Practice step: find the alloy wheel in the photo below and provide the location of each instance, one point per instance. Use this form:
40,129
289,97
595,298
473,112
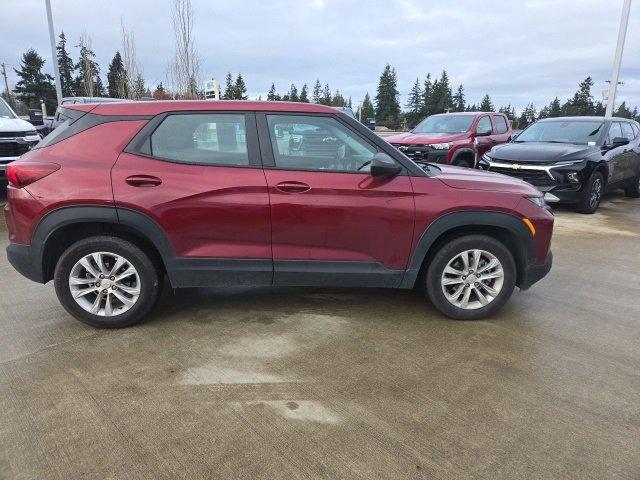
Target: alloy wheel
472,279
596,193
104,284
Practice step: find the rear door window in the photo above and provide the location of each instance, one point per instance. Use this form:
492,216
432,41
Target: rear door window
501,124
202,139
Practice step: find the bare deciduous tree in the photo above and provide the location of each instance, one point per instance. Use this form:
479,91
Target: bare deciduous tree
184,68
131,66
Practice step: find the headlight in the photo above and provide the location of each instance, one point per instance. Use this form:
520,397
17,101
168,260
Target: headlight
539,201
486,158
440,146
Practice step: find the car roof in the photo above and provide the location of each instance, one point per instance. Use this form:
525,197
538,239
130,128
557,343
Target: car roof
584,119
471,114
162,106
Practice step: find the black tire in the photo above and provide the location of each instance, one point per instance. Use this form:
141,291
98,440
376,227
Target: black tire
449,251
592,194
148,272
633,191
463,161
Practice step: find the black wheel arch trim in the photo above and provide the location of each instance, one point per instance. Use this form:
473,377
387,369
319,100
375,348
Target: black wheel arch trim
467,218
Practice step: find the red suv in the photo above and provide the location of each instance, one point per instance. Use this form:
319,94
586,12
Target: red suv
259,193
454,138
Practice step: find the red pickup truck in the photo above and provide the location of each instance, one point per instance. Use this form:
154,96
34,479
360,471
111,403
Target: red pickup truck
454,138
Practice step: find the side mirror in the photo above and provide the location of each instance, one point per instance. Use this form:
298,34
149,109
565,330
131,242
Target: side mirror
483,133
382,165
619,141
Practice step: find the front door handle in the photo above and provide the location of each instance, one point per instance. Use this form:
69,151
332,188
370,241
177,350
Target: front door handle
143,181
293,187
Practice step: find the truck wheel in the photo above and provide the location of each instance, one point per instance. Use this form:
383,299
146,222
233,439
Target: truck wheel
633,191
471,277
106,282
592,194
463,162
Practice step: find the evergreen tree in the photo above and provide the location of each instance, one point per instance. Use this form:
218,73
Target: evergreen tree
325,99
414,104
88,82
273,95
459,100
486,105
555,110
441,98
139,89
117,78
240,89
65,67
426,96
293,94
317,92
623,111
229,90
528,116
304,94
582,101
387,105
367,110
34,85
338,100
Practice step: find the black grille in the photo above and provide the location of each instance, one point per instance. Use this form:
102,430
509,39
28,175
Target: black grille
16,134
423,153
13,149
539,178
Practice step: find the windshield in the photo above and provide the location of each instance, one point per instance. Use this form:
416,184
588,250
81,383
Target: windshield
579,132
5,111
445,124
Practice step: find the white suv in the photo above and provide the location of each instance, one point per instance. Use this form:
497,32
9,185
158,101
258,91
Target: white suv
16,136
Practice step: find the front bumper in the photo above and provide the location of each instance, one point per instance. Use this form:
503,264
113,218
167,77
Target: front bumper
532,273
26,261
423,153
551,180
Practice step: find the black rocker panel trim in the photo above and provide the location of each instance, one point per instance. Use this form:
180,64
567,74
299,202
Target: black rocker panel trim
334,274
468,218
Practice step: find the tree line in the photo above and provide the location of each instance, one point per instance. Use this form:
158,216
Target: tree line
124,79
435,96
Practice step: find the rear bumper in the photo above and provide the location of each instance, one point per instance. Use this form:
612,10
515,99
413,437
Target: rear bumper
24,259
532,273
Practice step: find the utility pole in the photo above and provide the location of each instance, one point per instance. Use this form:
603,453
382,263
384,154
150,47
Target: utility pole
54,56
6,84
617,59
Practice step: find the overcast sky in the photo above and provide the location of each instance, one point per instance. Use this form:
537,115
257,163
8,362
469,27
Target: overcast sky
517,51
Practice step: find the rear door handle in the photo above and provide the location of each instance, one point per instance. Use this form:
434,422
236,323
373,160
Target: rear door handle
293,187
143,181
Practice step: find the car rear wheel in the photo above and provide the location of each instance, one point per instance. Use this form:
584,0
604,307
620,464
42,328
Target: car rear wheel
592,194
633,191
106,282
471,277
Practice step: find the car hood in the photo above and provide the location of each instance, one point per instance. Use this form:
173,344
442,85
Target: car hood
425,138
539,152
470,179
15,125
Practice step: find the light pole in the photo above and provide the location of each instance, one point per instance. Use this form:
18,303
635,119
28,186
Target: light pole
54,56
617,59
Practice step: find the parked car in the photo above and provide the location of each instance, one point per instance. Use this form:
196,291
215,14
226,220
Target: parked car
16,137
454,138
120,195
58,118
573,159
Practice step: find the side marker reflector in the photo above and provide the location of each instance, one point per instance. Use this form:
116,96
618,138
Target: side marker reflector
528,223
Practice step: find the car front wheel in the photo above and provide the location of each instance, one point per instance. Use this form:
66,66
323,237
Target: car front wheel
471,277
592,194
106,282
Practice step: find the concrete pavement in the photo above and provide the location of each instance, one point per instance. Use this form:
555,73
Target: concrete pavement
300,383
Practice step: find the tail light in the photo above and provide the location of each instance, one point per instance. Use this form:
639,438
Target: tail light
21,174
